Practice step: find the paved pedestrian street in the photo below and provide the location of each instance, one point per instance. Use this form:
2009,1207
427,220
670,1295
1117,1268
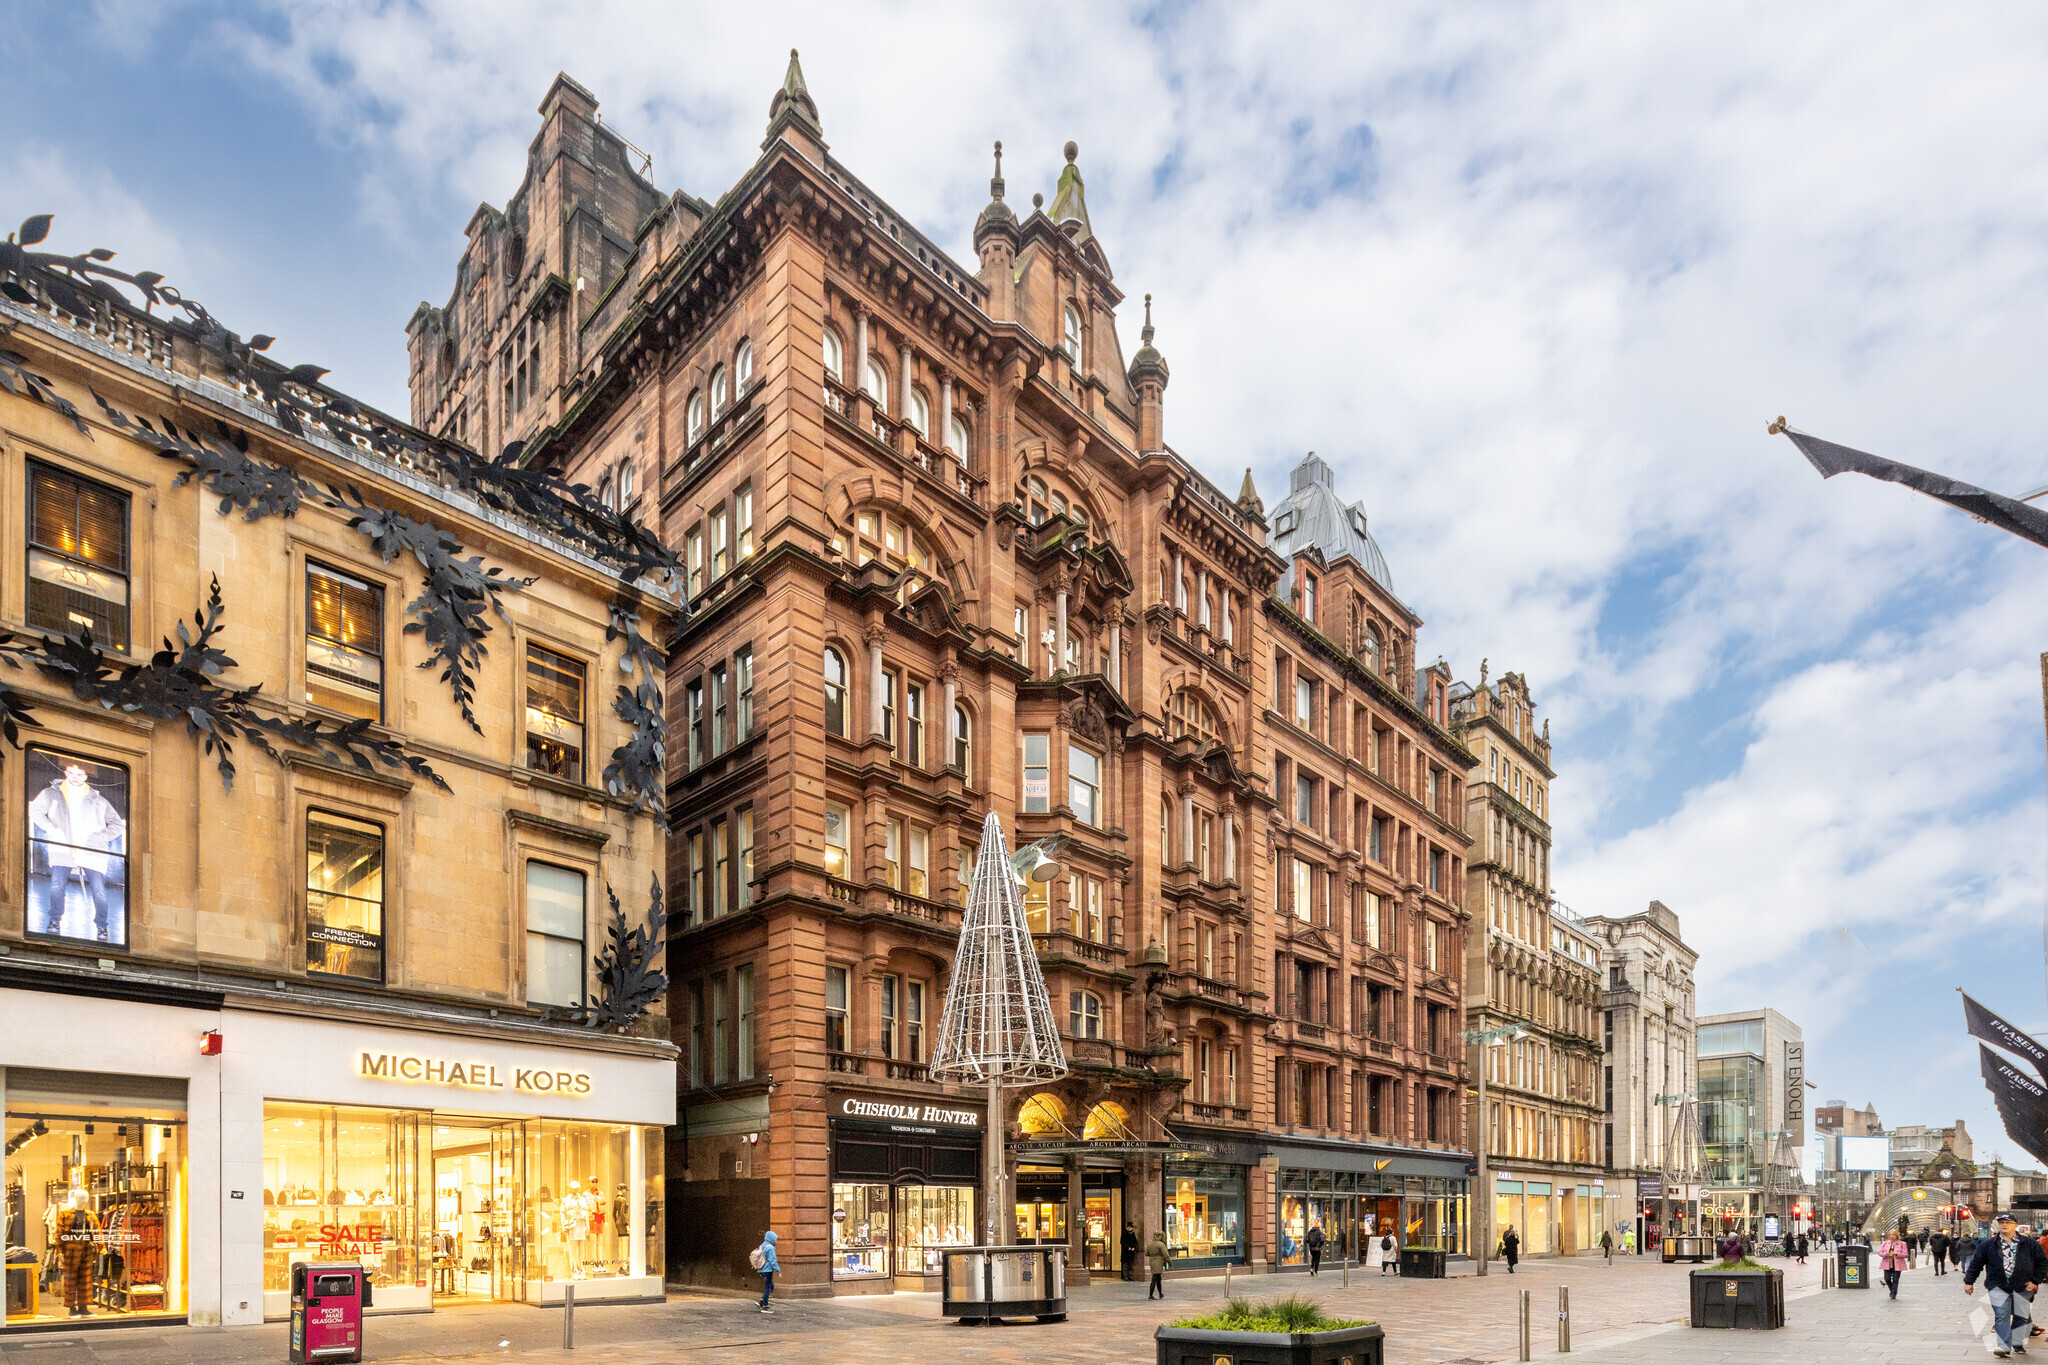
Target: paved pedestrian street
1632,1311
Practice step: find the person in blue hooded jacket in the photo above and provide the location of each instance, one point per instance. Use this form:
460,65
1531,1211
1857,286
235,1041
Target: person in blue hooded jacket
765,1262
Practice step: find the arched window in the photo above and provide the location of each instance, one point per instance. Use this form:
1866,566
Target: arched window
717,392
696,413
604,493
884,536
1035,501
1188,714
1070,337
963,441
921,413
963,739
1042,1114
835,692
1372,648
1107,1122
835,357
1084,1018
625,485
742,368
878,384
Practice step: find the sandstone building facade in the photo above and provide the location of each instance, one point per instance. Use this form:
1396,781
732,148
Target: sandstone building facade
320,1012
1534,965
941,560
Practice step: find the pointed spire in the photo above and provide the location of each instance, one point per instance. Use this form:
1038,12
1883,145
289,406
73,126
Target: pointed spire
1069,200
1148,363
1248,496
792,105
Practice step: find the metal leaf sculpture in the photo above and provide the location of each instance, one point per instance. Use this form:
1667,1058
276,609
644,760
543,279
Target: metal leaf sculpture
628,981
179,684
15,712
570,510
637,766
221,463
17,378
449,612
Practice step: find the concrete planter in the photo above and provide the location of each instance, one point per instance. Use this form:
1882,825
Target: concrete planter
1345,1346
1752,1299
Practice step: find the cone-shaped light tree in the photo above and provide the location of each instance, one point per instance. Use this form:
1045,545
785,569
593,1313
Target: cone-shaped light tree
998,1029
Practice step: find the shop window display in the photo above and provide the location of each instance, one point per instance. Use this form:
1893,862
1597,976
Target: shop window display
342,1184
928,1219
860,1232
95,1196
77,847
579,1193
1205,1213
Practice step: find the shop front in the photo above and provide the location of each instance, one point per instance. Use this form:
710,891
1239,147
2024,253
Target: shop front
457,1169
905,1174
1204,1215
1357,1196
1555,1215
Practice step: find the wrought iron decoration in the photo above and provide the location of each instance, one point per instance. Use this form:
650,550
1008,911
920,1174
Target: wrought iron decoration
628,981
637,765
178,683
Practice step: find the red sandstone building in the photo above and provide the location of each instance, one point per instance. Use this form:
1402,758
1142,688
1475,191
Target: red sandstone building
941,560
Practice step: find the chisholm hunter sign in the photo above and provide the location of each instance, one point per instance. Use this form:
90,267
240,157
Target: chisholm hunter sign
887,1111
416,1070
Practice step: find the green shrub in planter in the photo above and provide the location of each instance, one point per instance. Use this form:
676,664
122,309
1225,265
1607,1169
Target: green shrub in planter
1290,1331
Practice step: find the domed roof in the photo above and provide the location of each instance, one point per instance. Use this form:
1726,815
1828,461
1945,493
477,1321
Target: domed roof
1313,515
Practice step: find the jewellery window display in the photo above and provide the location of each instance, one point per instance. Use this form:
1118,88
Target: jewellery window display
343,1184
95,1196
930,1218
860,1232
1205,1213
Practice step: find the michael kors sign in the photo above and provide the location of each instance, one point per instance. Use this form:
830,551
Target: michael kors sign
410,1069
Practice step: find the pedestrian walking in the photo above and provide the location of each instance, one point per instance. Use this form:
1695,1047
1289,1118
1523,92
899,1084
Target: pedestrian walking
1510,1248
1628,1242
1938,1246
1129,1246
762,1258
1607,1246
1315,1240
1799,1248
1891,1259
1390,1257
2013,1269
1157,1258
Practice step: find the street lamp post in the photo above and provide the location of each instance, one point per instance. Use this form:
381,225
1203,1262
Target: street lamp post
1948,1175
1481,1218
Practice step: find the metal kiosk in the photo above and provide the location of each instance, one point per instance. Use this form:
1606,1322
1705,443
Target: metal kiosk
988,1284
1852,1266
328,1299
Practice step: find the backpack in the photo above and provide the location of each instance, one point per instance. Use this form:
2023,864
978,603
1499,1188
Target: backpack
1387,1242
758,1257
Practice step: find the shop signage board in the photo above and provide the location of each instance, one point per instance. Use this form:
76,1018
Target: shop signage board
901,1115
408,1068
1180,1150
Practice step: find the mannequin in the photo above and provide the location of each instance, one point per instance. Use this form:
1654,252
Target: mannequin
576,1209
78,1238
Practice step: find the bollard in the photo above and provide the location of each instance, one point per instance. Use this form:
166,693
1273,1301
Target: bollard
569,1316
1226,1279
1564,1320
1525,1327
1347,1272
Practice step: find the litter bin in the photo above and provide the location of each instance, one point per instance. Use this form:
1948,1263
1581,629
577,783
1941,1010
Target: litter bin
988,1284
328,1299
1852,1266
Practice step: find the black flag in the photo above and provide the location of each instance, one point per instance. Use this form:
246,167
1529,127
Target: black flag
1982,1023
2010,514
2022,1101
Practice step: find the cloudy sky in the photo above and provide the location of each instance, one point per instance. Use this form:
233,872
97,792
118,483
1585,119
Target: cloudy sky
1533,278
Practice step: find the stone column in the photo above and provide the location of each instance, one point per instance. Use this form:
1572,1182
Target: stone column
1202,598
1187,821
1059,638
903,386
1116,655
952,705
859,376
875,634
1230,843
1077,1225
1180,587
1228,638
943,437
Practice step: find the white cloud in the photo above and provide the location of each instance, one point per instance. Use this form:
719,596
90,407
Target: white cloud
1537,317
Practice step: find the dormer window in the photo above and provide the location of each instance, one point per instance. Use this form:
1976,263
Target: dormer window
1070,337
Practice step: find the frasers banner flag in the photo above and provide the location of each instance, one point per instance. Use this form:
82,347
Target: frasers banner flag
2022,1102
1982,1023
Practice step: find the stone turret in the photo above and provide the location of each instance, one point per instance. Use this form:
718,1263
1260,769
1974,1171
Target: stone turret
996,241
1149,378
793,115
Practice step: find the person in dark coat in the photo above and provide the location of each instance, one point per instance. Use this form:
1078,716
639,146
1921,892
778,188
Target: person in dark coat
1799,1248
2013,1268
1510,1248
1316,1241
1938,1244
1157,1260
1129,1247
